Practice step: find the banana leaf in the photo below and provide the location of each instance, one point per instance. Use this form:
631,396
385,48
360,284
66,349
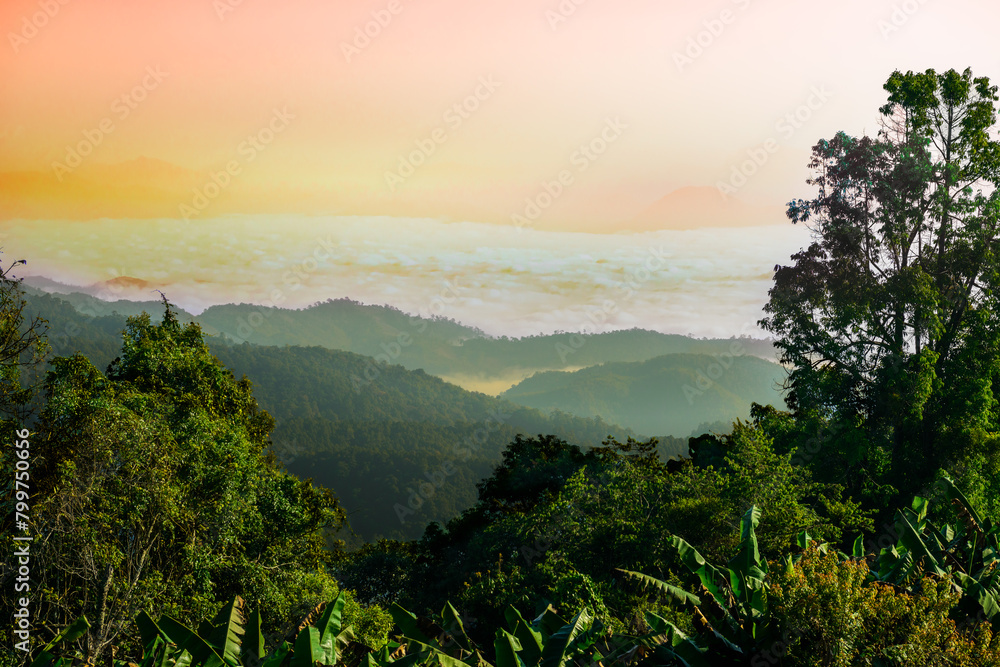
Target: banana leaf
229,624
507,648
454,626
678,594
559,648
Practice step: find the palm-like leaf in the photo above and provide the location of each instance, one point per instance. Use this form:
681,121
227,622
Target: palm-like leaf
678,594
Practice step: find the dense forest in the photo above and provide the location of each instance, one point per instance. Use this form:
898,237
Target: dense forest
674,393
855,525
436,345
325,407
371,442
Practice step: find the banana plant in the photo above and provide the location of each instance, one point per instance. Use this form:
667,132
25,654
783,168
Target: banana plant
731,613
547,641
441,640
46,657
321,639
969,553
232,639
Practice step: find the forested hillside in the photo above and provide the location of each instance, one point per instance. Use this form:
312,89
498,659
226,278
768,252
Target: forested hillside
438,346
672,394
378,444
371,432
445,348
107,302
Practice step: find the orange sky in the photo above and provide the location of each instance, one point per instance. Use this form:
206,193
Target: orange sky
349,116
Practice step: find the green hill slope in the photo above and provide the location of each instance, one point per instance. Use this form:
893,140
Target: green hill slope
670,394
445,348
439,346
399,447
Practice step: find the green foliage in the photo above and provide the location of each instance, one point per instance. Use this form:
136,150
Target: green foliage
154,493
744,470
977,471
157,493
672,394
400,452
374,443
233,639
547,641
820,608
890,319
22,348
732,614
829,612
968,552
554,523
927,602
72,632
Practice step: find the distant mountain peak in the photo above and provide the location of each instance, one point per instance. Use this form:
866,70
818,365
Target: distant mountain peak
695,207
127,282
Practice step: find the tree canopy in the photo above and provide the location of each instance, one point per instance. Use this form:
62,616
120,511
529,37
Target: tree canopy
153,492
890,319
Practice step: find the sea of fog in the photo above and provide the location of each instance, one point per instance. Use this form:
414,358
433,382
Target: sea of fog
502,279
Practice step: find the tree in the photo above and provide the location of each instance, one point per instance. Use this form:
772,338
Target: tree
890,319
553,522
154,493
22,349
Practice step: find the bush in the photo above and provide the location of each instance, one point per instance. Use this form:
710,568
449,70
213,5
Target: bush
828,613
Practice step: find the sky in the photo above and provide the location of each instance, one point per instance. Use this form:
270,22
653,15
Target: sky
572,115
695,86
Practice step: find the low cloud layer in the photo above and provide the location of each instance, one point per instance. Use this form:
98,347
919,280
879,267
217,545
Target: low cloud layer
507,281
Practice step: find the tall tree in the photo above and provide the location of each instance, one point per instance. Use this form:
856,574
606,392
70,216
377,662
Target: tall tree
890,319
153,491
22,350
